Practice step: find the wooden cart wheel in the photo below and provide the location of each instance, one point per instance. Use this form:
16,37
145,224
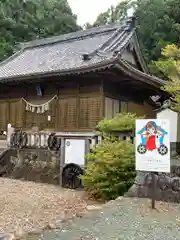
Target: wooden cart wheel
71,176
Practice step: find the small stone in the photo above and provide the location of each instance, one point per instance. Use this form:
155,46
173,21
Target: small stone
18,233
119,198
48,227
93,207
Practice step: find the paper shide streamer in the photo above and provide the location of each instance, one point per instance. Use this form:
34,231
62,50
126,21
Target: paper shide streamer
38,108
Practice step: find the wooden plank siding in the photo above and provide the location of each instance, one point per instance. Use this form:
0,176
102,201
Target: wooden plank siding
11,111
41,120
81,104
77,108
4,114
90,112
123,98
66,114
16,115
115,106
144,109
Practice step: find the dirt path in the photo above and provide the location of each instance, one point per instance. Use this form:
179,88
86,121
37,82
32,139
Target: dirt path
29,206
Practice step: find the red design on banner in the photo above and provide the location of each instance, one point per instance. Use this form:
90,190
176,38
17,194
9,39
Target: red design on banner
151,143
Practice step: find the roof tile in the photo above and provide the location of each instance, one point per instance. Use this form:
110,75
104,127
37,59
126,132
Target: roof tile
66,51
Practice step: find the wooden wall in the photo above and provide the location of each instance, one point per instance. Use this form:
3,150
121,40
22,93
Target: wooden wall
81,104
81,108
77,108
112,107
115,106
11,111
119,99
144,109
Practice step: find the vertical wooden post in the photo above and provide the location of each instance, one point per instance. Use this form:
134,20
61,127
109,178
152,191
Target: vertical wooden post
62,160
153,194
102,99
78,106
57,111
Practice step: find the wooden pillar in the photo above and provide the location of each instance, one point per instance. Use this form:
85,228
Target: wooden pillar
102,99
62,160
78,106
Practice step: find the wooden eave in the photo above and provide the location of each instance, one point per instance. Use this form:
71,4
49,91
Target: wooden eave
106,64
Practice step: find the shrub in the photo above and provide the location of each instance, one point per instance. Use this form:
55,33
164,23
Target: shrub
121,123
110,170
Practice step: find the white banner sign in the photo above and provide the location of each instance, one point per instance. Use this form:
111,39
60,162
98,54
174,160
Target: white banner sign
153,145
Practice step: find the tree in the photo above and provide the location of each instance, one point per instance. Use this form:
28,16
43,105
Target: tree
24,20
169,65
158,23
114,13
157,26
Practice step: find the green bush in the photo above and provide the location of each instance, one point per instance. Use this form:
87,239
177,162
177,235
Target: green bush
110,170
121,123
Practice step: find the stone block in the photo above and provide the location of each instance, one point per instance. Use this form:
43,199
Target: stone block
167,185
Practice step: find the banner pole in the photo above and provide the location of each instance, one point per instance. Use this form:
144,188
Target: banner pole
153,194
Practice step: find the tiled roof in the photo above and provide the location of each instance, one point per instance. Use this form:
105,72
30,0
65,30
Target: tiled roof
66,53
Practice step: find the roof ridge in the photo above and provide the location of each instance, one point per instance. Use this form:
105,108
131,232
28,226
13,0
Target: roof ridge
117,46
128,25
115,35
81,34
71,36
114,41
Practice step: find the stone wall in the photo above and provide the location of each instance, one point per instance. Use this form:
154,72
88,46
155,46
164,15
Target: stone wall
167,185
38,166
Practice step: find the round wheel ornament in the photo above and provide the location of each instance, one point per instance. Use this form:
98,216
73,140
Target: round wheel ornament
141,149
71,176
163,150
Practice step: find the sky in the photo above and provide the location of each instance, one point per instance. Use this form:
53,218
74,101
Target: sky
88,10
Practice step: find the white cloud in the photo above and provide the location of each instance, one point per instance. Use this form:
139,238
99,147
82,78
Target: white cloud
88,10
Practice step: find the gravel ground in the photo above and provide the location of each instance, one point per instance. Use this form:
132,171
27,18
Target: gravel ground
29,206
123,219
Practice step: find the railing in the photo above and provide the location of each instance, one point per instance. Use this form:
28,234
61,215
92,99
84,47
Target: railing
48,140
37,140
28,139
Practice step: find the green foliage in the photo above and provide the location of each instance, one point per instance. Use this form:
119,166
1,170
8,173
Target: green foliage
158,23
169,65
123,122
24,20
114,13
110,170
